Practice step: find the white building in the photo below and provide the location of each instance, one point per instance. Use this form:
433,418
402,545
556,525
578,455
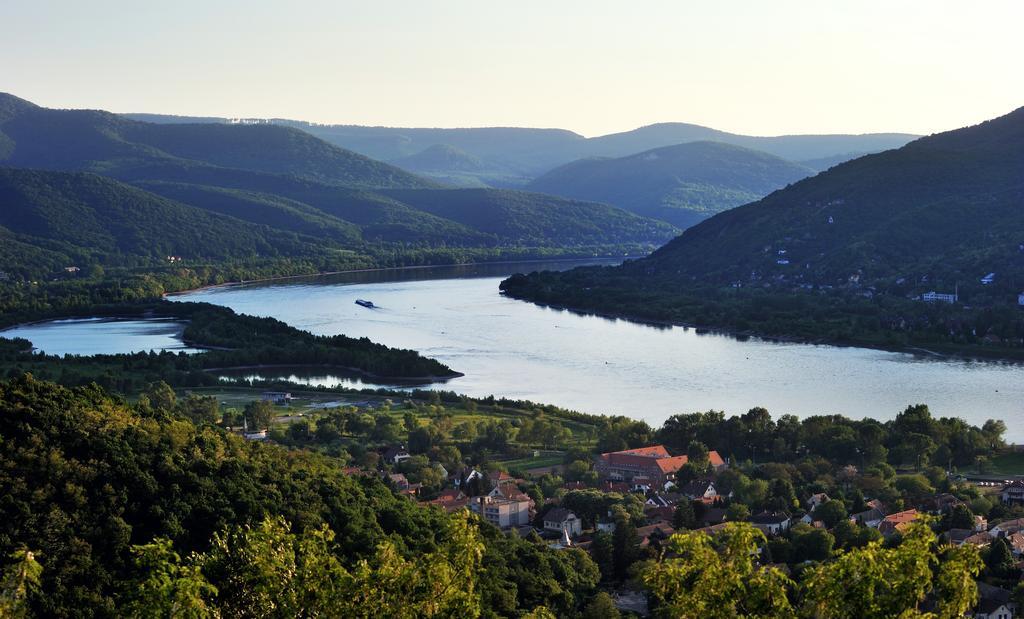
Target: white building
941,297
502,513
563,521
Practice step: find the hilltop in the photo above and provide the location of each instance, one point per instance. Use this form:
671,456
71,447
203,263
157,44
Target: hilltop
305,197
681,184
105,143
513,156
845,254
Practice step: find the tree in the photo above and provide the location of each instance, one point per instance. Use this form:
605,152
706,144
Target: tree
20,581
421,439
960,517
697,453
694,579
624,542
259,414
999,559
914,487
737,512
201,409
601,606
684,517
811,544
161,397
602,551
831,513
876,582
167,588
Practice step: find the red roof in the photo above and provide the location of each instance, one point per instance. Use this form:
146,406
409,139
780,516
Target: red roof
671,465
657,455
904,516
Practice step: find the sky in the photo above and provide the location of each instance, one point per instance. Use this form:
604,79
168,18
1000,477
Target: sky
756,67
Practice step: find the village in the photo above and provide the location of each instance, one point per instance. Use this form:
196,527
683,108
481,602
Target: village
622,506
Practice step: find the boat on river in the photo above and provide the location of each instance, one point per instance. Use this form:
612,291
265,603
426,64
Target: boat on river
365,303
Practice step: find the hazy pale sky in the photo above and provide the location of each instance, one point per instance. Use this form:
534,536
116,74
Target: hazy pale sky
759,67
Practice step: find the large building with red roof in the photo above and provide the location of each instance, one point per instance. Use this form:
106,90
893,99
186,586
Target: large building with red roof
647,464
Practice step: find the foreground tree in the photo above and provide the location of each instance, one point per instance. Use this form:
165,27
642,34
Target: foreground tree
877,582
20,580
694,578
267,571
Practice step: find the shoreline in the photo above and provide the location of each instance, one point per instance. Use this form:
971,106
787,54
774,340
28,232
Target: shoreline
419,267
916,351
412,380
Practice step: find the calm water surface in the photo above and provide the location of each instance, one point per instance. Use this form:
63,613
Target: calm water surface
94,336
519,350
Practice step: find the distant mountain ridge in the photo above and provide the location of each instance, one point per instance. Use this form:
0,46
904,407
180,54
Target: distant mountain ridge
918,248
97,141
681,184
522,154
939,214
286,185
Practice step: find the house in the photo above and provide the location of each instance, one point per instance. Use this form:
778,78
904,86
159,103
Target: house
771,522
564,522
1020,299
451,500
464,476
72,269
816,500
898,522
658,500
713,516
700,490
941,503
399,480
277,397
512,492
1007,527
994,603
1016,542
938,297
1012,493
255,435
614,486
502,513
657,514
395,454
502,478
654,532
647,465
988,279
959,537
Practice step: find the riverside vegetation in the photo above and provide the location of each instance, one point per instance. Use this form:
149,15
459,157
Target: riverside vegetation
153,507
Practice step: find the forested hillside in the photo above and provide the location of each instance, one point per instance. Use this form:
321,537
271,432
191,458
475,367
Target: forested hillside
512,156
681,185
846,254
105,503
311,200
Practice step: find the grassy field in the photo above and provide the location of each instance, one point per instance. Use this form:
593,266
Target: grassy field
546,458
1008,463
311,404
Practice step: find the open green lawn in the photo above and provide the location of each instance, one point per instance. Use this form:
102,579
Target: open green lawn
546,458
1009,463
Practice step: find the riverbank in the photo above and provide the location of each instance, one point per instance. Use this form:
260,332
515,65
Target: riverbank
424,267
411,381
935,351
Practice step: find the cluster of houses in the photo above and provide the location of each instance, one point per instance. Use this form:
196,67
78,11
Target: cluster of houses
652,472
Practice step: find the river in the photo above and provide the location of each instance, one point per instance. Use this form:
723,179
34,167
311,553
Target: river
519,350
